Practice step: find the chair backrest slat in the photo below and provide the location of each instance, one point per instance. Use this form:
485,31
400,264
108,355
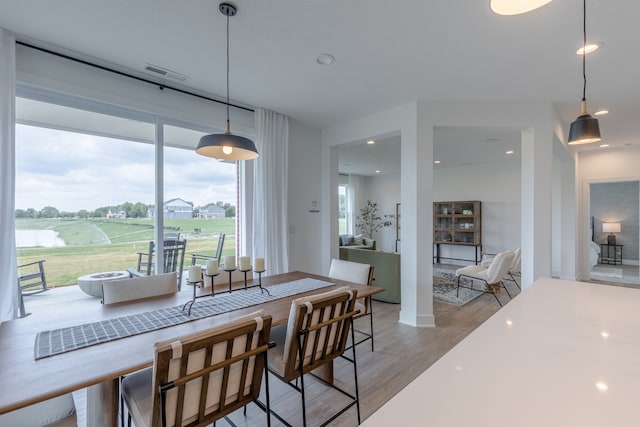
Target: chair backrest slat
319,330
205,376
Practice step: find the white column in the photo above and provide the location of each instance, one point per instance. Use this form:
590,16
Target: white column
537,160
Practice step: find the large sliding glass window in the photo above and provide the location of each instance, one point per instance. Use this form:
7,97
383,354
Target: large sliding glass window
86,188
200,194
84,184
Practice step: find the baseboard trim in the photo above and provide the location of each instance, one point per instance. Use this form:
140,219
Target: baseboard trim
418,321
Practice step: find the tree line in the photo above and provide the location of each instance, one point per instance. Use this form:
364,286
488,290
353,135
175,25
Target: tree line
132,210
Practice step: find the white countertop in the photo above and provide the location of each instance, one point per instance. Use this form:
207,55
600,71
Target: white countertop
562,353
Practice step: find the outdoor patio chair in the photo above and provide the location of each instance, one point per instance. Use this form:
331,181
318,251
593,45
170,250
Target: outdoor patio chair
315,335
199,378
173,260
361,274
31,278
198,257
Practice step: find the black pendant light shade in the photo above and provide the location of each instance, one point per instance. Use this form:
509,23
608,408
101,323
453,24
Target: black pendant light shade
227,146
585,129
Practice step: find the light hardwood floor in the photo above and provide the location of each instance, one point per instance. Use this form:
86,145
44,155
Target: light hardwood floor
401,353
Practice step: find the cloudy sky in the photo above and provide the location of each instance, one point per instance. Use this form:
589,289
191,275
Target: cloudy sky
72,171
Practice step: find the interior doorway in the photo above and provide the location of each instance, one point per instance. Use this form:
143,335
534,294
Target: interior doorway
614,249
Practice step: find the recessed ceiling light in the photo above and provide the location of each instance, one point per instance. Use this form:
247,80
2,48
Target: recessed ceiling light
509,323
371,142
511,7
604,334
604,145
602,386
509,152
437,162
601,113
325,59
378,171
589,47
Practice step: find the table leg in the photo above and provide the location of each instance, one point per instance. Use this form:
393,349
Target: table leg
102,404
325,372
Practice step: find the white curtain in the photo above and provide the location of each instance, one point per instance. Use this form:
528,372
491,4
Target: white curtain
270,238
9,298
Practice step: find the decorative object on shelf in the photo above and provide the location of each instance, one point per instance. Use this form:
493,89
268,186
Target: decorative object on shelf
585,129
611,227
227,146
369,221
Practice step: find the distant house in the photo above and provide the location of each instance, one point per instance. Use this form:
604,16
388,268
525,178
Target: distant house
174,209
116,215
211,211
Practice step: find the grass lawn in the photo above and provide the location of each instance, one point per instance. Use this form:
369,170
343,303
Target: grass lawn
88,249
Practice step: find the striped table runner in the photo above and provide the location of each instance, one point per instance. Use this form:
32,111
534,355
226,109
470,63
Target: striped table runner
49,343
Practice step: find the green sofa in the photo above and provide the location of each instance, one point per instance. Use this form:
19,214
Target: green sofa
386,270
359,241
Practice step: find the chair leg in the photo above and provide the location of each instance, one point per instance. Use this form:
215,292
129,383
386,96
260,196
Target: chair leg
371,321
266,388
355,367
514,280
301,368
505,288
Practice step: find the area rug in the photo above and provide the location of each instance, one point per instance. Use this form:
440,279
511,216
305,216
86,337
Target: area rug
444,289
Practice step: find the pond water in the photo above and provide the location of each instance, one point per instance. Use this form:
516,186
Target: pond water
35,238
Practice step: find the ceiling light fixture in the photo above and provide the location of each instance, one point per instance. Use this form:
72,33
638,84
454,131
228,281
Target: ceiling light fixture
604,145
516,7
325,59
585,129
370,142
601,113
437,162
509,152
227,146
589,48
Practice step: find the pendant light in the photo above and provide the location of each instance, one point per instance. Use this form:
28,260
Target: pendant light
585,129
516,7
227,146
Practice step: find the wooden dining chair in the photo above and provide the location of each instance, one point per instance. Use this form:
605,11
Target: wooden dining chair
59,411
315,335
361,274
199,378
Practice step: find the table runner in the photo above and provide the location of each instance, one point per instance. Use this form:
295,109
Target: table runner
57,341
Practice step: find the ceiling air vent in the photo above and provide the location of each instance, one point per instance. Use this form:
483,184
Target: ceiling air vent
164,72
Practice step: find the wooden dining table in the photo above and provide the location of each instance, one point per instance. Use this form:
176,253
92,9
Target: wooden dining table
25,381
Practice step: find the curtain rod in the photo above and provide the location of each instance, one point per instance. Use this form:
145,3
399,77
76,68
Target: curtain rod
121,73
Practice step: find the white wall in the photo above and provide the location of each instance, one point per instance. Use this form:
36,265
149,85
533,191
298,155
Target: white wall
385,190
497,186
41,70
305,231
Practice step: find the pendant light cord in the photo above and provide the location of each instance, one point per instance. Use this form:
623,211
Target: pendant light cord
228,125
584,52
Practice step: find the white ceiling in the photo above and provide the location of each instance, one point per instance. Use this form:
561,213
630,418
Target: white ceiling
387,54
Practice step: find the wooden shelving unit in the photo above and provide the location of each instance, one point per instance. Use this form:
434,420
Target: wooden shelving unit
457,223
